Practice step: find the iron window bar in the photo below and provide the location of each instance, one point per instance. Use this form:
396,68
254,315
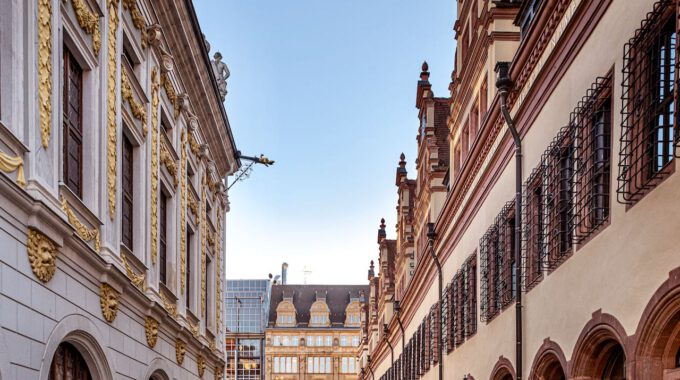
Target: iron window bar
534,231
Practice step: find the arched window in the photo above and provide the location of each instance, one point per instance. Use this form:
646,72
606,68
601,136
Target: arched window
68,364
677,358
615,369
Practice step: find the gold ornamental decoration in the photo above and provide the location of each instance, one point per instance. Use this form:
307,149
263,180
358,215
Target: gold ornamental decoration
42,255
218,275
111,117
180,350
219,372
137,18
192,203
171,93
171,307
204,226
9,164
182,214
151,331
108,300
136,279
193,144
89,22
82,231
168,162
200,362
154,163
138,110
45,69
194,329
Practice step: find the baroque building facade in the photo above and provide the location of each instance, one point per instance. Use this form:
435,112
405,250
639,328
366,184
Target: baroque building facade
114,151
313,331
591,88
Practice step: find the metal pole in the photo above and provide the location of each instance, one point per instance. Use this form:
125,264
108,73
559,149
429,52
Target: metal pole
431,235
504,84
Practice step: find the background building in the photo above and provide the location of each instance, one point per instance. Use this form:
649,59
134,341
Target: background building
592,91
247,309
313,331
114,148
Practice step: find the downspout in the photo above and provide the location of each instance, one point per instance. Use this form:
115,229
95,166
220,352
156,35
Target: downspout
431,235
504,84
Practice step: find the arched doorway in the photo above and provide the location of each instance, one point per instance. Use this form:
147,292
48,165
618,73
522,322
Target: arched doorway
657,354
68,364
503,370
600,352
159,375
549,363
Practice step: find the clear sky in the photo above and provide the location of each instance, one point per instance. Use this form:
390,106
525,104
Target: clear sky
326,88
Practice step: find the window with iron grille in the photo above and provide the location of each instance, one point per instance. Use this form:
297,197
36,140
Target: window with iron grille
127,193
444,321
73,124
534,235
592,120
470,295
497,254
459,321
427,338
648,136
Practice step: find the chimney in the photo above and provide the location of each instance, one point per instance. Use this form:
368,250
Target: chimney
284,273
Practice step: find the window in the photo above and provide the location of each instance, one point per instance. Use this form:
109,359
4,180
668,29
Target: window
190,237
483,103
528,16
277,340
348,365
310,341
535,227
497,250
319,341
208,289
162,245
355,341
465,138
285,364
457,159
73,124
648,136
329,341
127,225
68,363
343,341
285,341
295,341
319,365
464,42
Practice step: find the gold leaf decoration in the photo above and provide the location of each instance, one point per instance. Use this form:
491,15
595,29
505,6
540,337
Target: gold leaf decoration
89,22
137,18
218,274
136,279
42,255
219,372
194,329
9,164
193,144
112,133
82,231
151,331
171,307
108,300
138,110
192,203
45,69
155,88
171,93
204,225
182,215
200,362
180,350
168,162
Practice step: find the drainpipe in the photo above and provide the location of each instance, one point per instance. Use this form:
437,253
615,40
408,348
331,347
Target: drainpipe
397,314
386,333
431,235
369,367
504,84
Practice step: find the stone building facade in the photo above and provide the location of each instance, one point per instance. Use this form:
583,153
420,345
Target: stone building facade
313,331
114,150
593,96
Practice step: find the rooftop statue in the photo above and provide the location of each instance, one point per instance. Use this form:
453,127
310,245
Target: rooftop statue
221,72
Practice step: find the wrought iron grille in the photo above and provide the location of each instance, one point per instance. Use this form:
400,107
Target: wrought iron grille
470,295
648,134
497,263
534,230
427,339
446,320
559,166
459,322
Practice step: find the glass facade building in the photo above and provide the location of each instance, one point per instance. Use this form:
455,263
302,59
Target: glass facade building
247,308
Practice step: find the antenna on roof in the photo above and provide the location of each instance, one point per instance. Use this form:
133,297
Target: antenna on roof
305,273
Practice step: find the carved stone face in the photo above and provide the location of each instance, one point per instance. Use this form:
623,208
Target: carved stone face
201,366
179,351
108,299
151,329
42,254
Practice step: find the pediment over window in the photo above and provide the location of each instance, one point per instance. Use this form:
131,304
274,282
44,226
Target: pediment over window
286,314
319,314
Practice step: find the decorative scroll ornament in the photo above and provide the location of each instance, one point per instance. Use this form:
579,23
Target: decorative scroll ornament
180,350
151,331
171,307
138,110
82,231
108,300
9,164
45,69
204,225
111,104
169,162
200,362
137,18
212,345
154,163
194,329
136,279
171,93
219,372
42,255
192,203
218,275
182,214
89,22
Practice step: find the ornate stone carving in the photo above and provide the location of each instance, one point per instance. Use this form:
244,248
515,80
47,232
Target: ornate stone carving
182,214
111,104
9,164
171,93
192,203
138,110
168,162
108,300
193,144
200,362
221,72
204,226
82,231
219,372
155,88
89,22
194,329
218,274
137,17
171,307
180,350
151,331
42,255
45,69
136,279
152,35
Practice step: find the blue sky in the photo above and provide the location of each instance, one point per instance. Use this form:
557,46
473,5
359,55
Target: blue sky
327,89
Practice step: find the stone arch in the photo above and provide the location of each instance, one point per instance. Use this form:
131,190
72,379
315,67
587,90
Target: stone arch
503,370
549,362
658,332
158,369
599,338
82,333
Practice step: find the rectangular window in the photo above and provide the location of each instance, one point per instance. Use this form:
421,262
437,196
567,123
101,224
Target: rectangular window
208,288
319,341
497,249
329,340
162,243
190,237
649,136
483,103
535,228
73,124
127,190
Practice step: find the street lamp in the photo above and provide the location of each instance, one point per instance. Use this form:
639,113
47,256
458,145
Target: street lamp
431,235
504,85
386,332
